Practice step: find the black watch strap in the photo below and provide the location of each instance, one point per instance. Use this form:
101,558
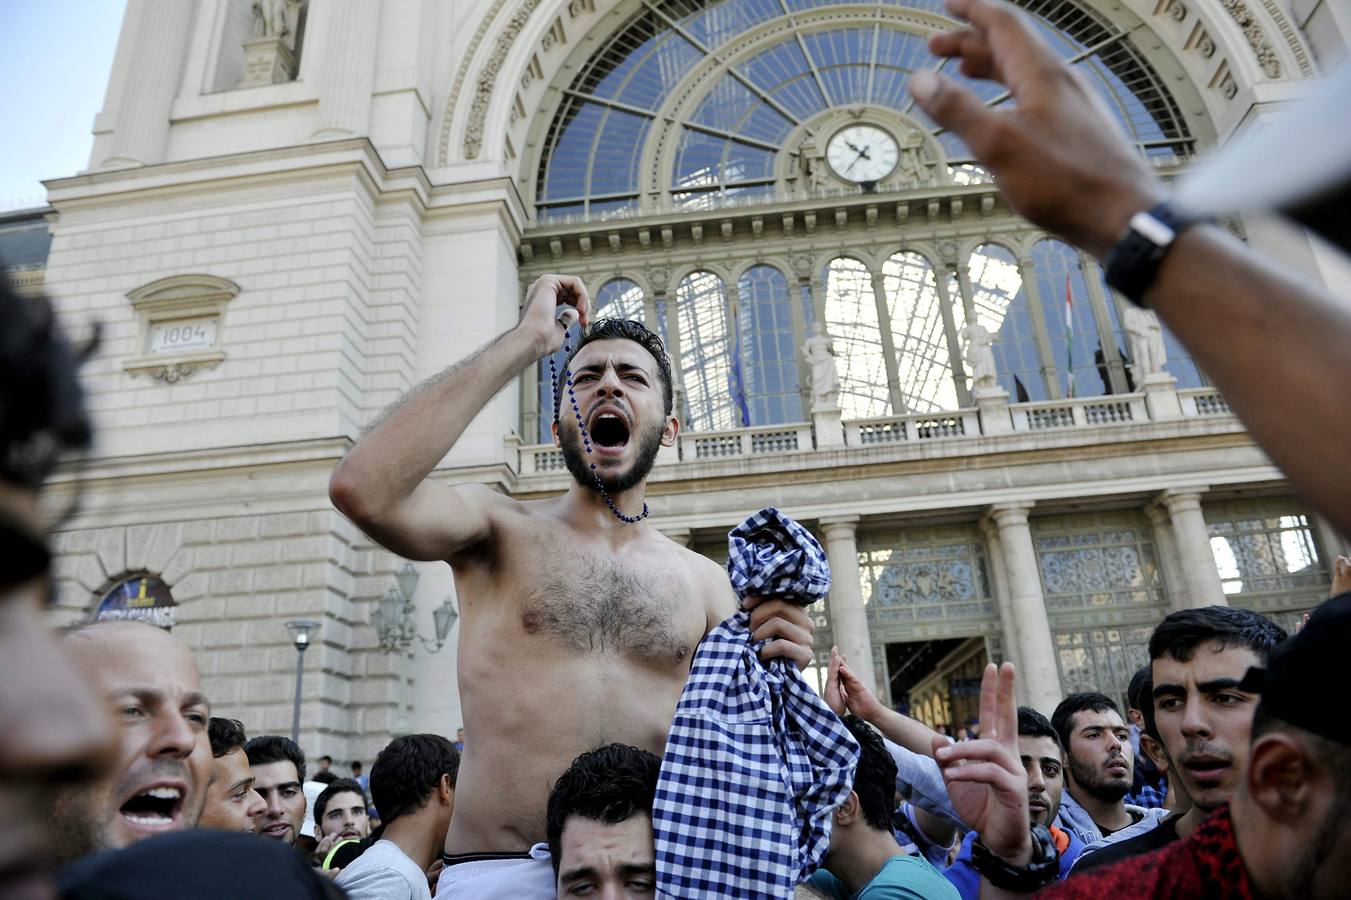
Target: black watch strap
1133,263
1041,870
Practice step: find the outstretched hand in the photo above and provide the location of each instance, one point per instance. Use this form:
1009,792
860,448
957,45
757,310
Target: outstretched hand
986,781
1059,157
540,317
846,692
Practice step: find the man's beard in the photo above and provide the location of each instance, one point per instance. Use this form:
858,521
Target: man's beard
575,458
1091,779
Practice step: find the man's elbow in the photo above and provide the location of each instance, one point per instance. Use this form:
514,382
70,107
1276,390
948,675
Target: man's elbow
351,496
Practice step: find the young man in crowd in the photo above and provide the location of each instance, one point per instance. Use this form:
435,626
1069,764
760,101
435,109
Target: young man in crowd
1149,785
340,814
231,801
1099,765
150,682
1287,833
1043,759
599,819
413,785
864,862
325,775
1204,719
600,612
278,772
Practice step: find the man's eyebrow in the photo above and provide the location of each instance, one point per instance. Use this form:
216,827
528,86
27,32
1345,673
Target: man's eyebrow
577,872
637,869
196,698
619,366
1161,690
245,783
1217,684
279,787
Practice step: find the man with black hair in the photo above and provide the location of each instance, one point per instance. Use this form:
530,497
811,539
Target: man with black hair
600,824
1043,758
864,861
600,612
231,801
1198,658
325,775
413,785
278,772
1149,786
1099,766
340,814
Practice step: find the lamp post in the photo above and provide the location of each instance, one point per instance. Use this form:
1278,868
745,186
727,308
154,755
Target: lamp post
302,635
394,616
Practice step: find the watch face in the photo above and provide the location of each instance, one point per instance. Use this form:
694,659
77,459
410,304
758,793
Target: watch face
862,153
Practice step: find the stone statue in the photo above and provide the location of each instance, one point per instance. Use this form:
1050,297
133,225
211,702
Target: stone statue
818,180
819,353
912,170
1144,335
278,19
980,357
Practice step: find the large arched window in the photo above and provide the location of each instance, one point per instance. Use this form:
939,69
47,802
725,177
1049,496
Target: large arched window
1003,307
1085,364
768,351
919,334
705,369
620,298
697,103
851,319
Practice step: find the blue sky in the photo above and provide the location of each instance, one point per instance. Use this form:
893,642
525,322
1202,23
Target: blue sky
55,57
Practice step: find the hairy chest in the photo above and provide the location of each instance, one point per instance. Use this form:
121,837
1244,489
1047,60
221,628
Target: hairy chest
643,608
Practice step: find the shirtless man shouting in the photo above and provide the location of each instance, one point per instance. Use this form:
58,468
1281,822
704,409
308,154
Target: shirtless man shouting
577,627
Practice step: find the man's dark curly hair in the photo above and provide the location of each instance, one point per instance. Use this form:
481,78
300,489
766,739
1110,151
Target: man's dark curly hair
1063,717
407,772
42,410
628,330
341,786
609,785
226,736
271,748
1181,632
1034,725
875,776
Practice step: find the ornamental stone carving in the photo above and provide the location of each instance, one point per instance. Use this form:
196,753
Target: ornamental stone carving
979,356
1262,48
1144,336
819,353
487,79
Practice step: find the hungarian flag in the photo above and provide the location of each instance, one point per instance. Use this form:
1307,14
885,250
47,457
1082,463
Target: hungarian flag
1069,335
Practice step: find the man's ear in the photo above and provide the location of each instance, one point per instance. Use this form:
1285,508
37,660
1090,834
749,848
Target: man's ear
847,812
1154,750
445,790
553,430
1281,778
668,434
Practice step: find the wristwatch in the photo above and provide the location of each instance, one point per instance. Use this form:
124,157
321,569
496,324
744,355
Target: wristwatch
1041,870
1133,263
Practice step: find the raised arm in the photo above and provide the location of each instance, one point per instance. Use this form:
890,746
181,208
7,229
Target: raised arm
1278,347
382,484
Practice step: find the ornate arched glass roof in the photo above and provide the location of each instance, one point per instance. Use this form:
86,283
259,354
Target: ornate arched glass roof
697,103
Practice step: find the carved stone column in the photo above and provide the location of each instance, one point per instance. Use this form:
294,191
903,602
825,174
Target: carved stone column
1201,578
1332,542
1032,627
159,45
349,29
848,619
999,588
1165,548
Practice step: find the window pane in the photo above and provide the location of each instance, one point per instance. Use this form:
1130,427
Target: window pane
768,350
1077,349
701,305
1002,307
922,360
620,299
851,319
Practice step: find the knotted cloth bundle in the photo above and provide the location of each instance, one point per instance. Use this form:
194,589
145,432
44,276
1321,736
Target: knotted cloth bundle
755,761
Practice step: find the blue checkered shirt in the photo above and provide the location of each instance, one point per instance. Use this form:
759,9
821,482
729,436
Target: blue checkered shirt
1149,796
755,761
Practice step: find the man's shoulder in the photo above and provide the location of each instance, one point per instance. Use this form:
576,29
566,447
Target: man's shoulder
1135,877
1104,853
906,877
386,872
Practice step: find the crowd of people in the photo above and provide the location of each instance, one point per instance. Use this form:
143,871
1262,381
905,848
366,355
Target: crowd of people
1227,775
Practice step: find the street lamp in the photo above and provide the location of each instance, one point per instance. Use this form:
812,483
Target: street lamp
302,635
394,615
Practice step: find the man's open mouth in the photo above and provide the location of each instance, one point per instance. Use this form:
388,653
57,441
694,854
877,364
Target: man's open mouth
1206,768
156,807
609,430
